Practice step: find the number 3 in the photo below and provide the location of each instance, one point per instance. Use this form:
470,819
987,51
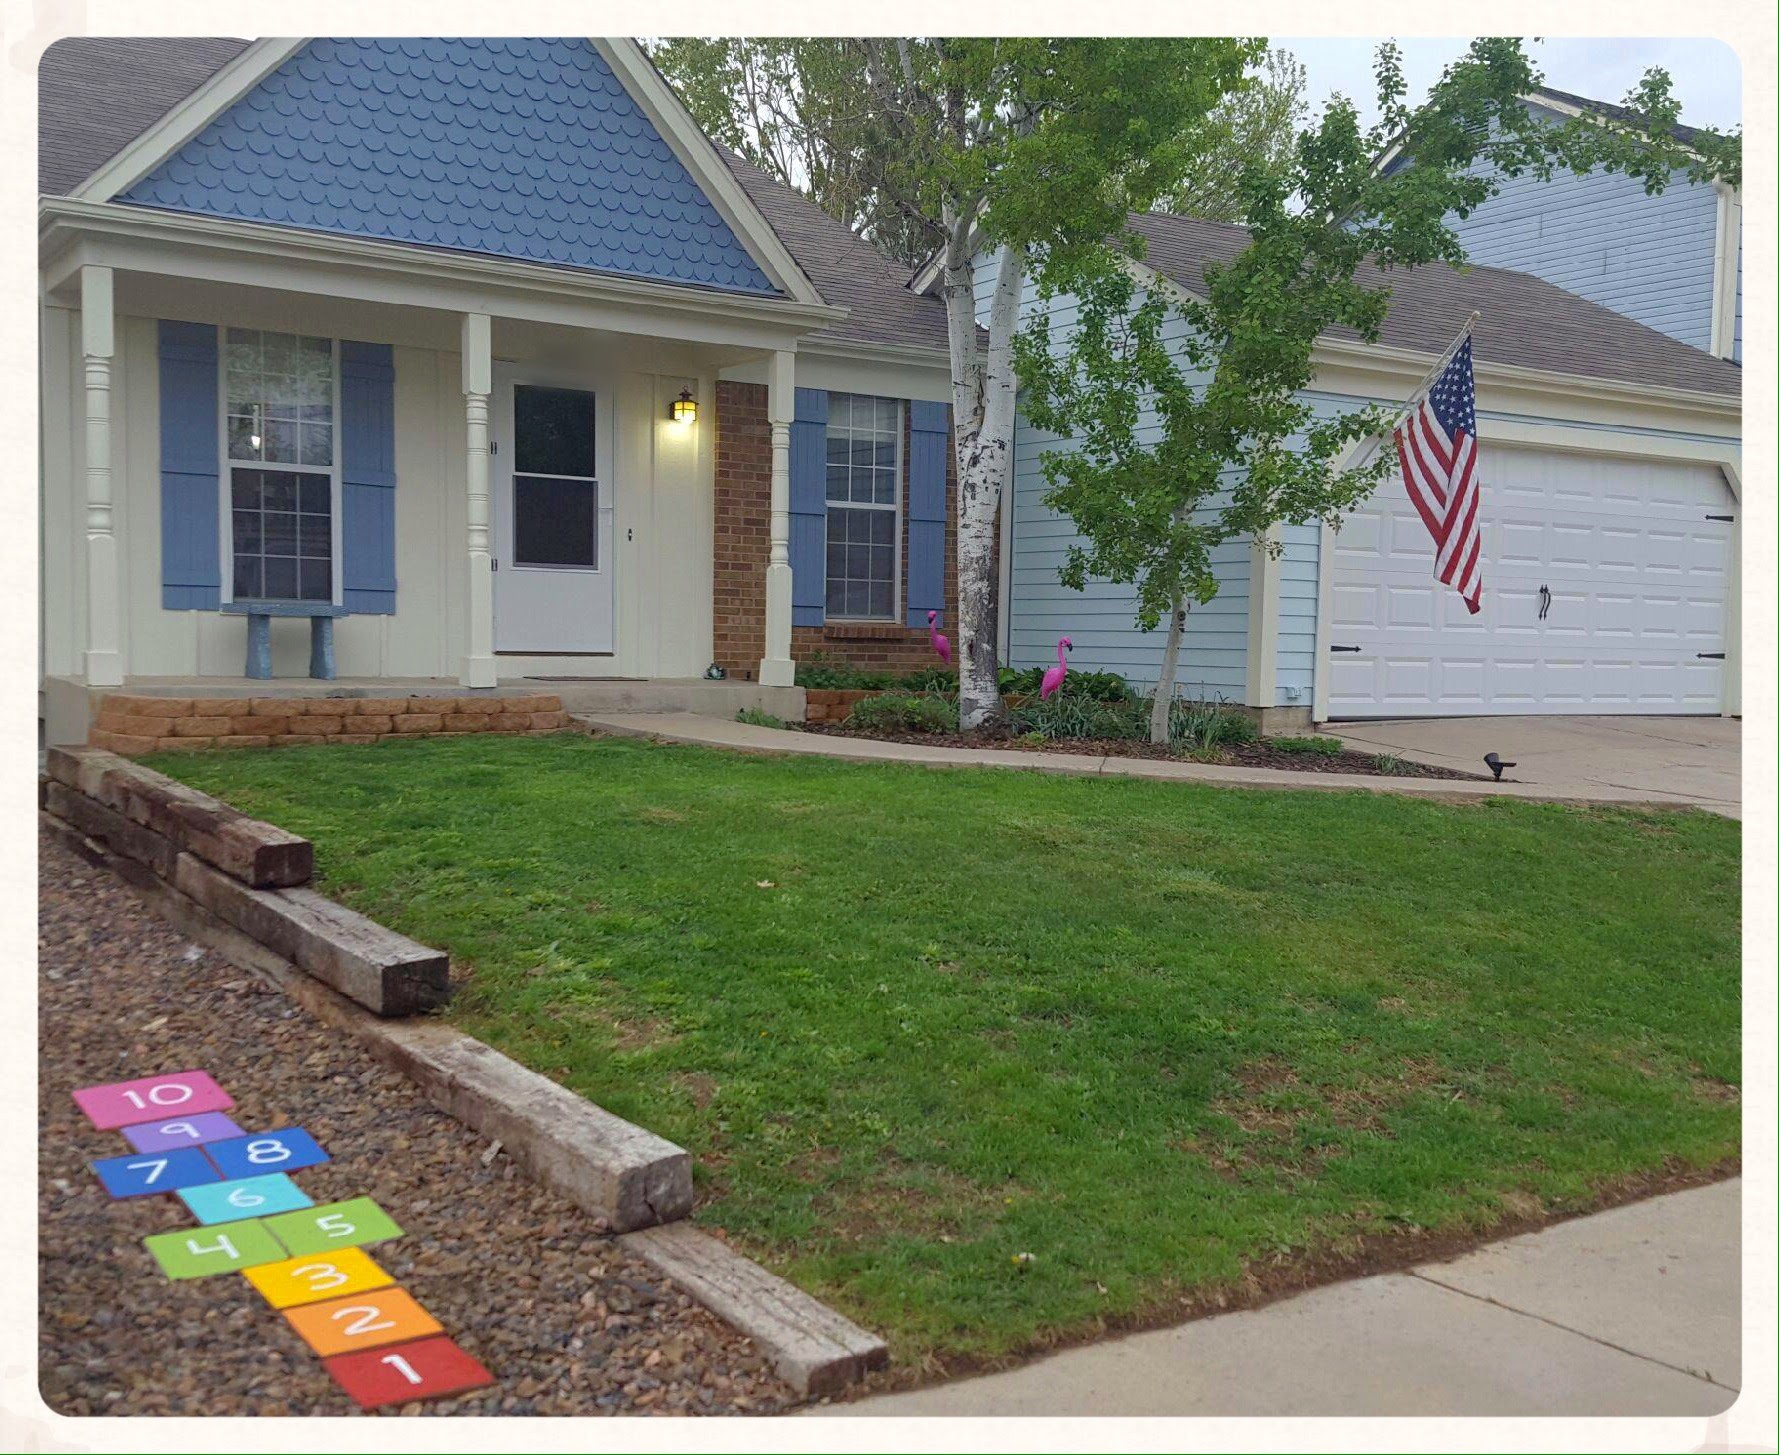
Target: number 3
320,1275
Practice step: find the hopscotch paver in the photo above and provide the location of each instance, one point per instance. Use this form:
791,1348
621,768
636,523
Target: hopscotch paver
376,1342
249,1197
201,1252
123,1103
317,1276
143,1174
206,1126
335,1225
362,1321
424,1370
285,1150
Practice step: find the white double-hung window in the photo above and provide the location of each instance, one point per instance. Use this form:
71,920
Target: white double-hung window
864,506
280,466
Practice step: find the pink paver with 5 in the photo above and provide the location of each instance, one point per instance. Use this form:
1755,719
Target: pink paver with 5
121,1103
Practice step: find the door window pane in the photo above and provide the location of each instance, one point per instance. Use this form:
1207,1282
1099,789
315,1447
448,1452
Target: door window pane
863,472
553,431
555,522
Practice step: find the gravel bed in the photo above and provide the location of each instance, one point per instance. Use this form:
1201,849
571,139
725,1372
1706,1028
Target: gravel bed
532,1286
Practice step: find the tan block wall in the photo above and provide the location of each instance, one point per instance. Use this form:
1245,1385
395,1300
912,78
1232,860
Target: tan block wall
743,544
133,725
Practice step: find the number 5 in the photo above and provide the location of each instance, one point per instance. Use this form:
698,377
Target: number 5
336,1226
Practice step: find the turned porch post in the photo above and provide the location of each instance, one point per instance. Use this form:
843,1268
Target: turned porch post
103,662
478,384
776,667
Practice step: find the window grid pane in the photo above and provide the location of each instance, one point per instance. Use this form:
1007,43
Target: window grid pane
280,389
864,445
283,536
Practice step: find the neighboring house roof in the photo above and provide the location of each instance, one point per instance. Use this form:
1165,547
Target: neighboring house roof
96,95
1526,322
848,271
1682,133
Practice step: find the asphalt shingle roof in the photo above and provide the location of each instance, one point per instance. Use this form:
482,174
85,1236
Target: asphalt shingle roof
1525,321
1682,133
96,95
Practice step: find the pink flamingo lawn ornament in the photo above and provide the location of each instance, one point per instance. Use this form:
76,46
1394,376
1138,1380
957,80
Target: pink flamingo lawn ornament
1053,675
938,638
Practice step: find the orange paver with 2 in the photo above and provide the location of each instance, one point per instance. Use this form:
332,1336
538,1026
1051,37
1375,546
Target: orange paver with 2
362,1321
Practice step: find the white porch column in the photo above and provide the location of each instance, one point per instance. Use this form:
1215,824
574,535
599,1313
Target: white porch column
104,662
478,383
1263,624
776,667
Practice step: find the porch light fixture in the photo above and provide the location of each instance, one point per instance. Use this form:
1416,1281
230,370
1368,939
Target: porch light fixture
683,410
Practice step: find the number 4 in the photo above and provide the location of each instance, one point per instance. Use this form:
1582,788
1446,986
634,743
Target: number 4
221,1245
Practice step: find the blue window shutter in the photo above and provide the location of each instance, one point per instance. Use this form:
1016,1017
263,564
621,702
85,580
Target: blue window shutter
809,508
929,427
367,478
191,565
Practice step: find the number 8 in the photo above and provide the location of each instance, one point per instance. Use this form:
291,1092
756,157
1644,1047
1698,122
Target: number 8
255,1148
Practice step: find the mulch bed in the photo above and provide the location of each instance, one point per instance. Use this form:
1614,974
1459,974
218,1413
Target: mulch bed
532,1286
1235,755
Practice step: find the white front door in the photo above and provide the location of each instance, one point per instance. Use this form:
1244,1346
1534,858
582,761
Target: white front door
551,477
1605,590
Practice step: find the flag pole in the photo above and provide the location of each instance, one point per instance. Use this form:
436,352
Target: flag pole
1376,439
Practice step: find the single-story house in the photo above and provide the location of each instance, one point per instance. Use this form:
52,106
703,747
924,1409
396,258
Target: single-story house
480,346
1610,466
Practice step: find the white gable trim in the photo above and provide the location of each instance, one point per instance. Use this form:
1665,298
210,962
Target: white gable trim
637,72
187,119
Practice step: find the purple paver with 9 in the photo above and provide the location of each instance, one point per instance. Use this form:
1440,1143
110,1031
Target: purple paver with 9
206,1126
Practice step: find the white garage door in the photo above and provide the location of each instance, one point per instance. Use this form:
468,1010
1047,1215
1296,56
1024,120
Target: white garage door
1605,583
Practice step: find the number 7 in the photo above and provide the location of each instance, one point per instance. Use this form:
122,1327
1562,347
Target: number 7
159,1164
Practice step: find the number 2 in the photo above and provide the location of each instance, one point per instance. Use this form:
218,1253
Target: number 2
363,1324
402,1367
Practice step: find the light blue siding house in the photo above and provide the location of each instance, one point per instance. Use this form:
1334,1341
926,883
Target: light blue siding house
1672,260
1610,456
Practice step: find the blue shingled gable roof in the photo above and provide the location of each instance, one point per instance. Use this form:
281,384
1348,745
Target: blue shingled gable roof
520,148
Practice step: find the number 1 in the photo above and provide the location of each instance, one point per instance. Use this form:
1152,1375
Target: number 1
402,1367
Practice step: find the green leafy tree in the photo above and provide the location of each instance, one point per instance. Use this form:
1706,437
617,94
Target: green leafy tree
1184,439
1003,151
1259,119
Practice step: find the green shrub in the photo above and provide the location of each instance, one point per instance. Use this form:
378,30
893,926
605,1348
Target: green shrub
1066,716
1391,764
1209,725
1321,747
759,718
822,671
905,712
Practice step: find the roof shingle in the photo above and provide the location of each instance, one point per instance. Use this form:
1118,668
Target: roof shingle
1525,321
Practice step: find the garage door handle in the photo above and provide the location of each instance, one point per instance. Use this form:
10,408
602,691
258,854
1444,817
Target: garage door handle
1720,517
1343,649
1714,656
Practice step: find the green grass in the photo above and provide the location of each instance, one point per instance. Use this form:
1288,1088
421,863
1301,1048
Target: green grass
913,1024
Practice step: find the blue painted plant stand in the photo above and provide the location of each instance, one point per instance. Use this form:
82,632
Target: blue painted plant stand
259,616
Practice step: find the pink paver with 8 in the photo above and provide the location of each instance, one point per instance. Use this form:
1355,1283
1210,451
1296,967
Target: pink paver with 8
121,1103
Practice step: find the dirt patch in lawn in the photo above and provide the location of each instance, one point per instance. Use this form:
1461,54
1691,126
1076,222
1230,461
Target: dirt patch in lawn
999,738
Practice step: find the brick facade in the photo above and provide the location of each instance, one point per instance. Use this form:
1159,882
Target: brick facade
132,725
743,544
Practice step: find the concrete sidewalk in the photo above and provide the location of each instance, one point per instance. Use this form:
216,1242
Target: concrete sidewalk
715,732
1636,1311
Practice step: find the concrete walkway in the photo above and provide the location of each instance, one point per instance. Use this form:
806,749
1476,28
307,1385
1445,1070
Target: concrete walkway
1636,1311
1697,758
714,732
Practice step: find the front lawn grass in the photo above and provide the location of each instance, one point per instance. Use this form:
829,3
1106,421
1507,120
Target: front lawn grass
1162,1037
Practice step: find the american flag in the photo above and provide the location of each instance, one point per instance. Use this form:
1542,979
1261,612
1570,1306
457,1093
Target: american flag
1436,443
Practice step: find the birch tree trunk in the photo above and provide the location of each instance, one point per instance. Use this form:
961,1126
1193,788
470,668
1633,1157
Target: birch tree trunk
984,390
1162,708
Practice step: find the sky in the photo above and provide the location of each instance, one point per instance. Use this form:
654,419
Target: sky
1707,75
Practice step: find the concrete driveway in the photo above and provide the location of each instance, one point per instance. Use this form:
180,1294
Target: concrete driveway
1699,758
